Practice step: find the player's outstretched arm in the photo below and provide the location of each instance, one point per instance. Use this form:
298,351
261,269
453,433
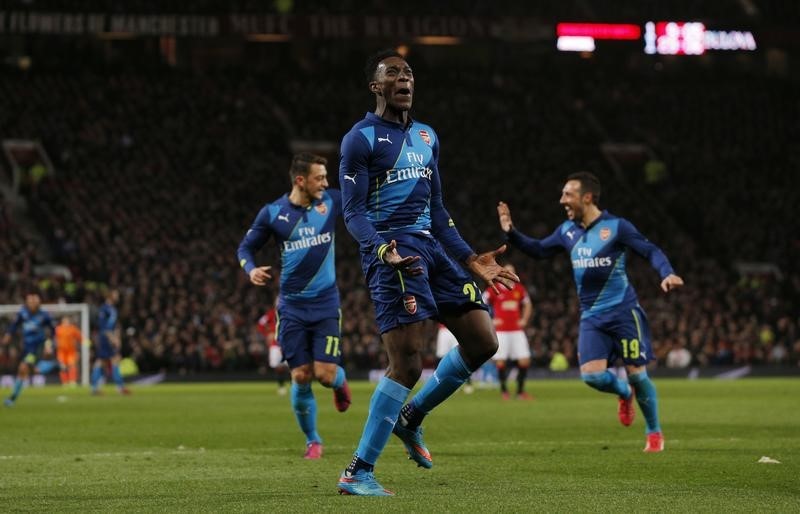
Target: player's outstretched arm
485,266
12,328
408,264
536,248
670,282
260,275
630,236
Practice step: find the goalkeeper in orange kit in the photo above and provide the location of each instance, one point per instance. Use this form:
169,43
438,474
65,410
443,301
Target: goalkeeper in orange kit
68,339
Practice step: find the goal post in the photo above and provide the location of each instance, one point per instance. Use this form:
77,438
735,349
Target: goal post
56,310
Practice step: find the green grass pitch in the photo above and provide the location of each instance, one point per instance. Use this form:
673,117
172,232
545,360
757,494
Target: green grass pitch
236,448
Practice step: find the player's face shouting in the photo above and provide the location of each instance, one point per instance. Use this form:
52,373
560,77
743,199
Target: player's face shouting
571,200
395,83
317,181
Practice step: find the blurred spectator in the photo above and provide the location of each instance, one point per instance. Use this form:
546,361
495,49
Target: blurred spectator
678,356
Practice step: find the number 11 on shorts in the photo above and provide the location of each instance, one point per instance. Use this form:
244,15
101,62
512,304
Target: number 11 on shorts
332,346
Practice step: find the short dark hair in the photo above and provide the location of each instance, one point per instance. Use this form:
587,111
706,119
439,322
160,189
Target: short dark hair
375,59
301,164
589,184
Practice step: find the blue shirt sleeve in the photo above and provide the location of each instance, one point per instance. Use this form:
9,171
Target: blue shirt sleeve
336,197
102,314
107,319
632,238
48,322
254,240
442,224
537,248
354,181
112,319
12,328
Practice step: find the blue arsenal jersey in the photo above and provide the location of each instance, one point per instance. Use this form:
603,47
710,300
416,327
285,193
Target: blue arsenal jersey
305,236
598,255
390,185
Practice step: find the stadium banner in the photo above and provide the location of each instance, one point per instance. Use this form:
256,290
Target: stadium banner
274,25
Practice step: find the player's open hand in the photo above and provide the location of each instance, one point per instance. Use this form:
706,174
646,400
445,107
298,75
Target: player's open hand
407,264
504,213
485,266
671,282
260,276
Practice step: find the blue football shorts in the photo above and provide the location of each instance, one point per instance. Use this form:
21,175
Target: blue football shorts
30,354
617,334
399,298
306,337
105,349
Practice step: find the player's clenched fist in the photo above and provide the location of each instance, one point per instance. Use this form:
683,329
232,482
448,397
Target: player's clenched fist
259,276
671,282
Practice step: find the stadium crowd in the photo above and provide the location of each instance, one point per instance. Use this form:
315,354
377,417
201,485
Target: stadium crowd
158,173
623,10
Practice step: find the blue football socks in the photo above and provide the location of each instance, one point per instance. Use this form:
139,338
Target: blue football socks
607,382
339,380
116,375
384,407
449,375
17,389
647,398
97,373
45,367
304,405
305,410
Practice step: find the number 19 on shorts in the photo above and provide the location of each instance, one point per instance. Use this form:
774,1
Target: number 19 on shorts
630,349
332,346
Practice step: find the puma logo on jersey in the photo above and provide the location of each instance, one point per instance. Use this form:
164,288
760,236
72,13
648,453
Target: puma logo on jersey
284,217
351,179
384,139
571,235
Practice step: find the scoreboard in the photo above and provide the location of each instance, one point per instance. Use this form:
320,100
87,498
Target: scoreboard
655,37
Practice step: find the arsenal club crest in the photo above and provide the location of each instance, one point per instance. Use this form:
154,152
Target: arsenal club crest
410,303
321,208
425,137
605,233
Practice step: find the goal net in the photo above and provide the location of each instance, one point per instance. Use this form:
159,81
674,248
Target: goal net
79,312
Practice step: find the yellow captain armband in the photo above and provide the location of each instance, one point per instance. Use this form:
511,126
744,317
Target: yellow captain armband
382,250
242,262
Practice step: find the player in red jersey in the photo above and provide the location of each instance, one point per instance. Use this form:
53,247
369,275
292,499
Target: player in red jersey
268,327
512,311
